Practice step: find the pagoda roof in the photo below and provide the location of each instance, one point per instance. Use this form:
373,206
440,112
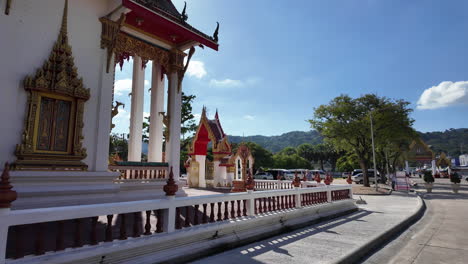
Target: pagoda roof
171,25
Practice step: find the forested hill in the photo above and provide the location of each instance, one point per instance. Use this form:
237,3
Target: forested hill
449,141
277,143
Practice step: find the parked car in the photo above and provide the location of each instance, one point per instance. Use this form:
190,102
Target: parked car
359,178
312,173
369,171
345,175
277,173
264,176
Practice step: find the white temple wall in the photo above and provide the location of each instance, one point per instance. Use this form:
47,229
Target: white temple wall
27,38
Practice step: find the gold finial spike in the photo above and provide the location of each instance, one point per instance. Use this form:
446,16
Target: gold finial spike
63,28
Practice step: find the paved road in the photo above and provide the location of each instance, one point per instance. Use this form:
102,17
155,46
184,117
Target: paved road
441,236
326,242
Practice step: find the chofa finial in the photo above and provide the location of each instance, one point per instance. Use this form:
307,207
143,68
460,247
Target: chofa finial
215,34
184,12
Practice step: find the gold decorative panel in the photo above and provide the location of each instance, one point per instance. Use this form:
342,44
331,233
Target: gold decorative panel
52,137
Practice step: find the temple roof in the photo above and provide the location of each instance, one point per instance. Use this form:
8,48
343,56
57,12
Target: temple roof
179,32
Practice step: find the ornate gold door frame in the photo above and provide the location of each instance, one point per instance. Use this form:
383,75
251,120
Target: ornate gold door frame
53,133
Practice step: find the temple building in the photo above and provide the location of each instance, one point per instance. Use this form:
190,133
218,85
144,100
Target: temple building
58,62
226,167
420,154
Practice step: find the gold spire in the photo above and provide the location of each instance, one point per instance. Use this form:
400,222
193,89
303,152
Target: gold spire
63,37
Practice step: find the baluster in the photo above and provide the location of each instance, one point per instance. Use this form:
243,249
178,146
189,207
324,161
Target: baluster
159,218
212,214
123,227
109,228
93,238
239,214
60,235
226,210
19,249
148,223
233,211
177,219
187,216
265,205
219,212
195,217
39,244
78,242
282,202
244,209
274,203
205,216
125,174
293,201
290,201
136,228
260,205
269,204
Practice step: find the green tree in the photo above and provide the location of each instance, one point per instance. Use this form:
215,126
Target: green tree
306,151
345,122
293,161
347,162
288,151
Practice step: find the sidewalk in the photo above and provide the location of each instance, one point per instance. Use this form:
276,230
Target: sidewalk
439,237
339,240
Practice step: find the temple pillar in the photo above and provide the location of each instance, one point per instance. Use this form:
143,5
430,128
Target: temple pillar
202,170
174,109
156,119
136,115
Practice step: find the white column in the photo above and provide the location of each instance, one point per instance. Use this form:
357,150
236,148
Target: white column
201,170
156,120
174,109
136,115
103,117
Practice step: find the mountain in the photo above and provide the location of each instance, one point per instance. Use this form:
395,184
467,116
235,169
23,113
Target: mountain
452,141
277,143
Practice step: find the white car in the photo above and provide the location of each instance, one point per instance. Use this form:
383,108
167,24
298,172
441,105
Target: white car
359,178
263,176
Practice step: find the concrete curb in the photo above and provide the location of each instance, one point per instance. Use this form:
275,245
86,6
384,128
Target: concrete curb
384,237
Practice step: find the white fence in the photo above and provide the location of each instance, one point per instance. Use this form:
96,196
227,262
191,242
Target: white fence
263,185
25,235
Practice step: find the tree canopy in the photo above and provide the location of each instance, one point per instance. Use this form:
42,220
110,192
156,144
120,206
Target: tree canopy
345,123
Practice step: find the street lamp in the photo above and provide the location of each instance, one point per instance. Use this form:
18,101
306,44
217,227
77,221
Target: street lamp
373,150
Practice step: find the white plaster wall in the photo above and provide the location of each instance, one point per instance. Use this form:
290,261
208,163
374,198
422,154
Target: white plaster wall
26,39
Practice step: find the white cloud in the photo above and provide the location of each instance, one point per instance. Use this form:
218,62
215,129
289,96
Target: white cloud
124,86
197,117
122,114
249,117
146,114
445,94
196,69
226,83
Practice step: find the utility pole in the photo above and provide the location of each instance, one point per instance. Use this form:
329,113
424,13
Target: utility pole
373,151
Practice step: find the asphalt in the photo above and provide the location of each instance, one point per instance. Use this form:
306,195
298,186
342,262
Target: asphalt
341,240
441,234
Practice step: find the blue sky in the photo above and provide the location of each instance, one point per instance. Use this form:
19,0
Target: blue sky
280,59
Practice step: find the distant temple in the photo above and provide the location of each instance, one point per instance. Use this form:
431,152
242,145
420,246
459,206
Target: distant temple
420,153
225,167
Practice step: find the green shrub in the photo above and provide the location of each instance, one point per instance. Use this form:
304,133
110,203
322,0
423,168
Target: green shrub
428,177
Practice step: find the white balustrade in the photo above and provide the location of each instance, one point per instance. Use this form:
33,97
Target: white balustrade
158,216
